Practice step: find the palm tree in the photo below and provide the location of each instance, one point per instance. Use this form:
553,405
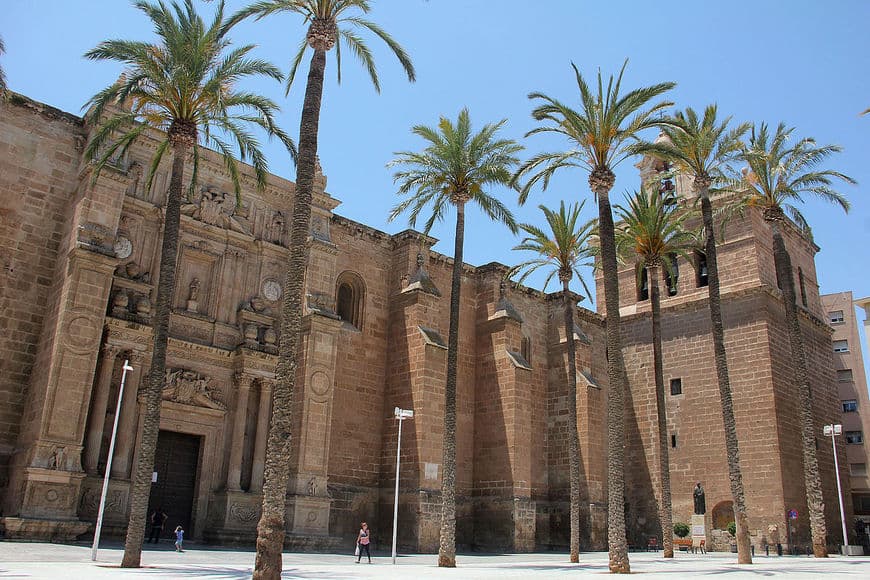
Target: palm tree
654,231
326,21
601,134
185,86
778,176
2,72
704,147
564,250
457,166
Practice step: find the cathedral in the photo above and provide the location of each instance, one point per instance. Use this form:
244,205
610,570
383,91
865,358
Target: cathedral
80,261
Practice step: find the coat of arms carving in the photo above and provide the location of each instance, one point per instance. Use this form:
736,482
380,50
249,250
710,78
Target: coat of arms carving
191,388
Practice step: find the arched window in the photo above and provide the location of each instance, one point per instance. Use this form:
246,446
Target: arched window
700,269
803,287
643,285
672,275
350,298
526,349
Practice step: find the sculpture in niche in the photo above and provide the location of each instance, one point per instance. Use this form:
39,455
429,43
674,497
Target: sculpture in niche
216,208
312,486
135,173
275,230
57,459
190,388
193,297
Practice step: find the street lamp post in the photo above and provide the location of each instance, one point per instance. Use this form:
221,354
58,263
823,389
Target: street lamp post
102,509
401,415
832,431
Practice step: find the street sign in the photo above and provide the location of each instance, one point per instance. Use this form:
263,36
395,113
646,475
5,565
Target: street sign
792,514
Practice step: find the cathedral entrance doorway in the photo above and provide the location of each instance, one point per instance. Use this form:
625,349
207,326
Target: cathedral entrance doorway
176,463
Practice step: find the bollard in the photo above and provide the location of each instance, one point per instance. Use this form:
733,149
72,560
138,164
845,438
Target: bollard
753,551
767,550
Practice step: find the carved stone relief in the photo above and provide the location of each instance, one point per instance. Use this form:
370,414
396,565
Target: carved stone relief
243,513
191,388
217,208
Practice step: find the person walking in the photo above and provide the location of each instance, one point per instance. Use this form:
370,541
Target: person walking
362,542
179,538
158,518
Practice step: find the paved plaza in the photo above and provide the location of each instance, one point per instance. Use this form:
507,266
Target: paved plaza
41,560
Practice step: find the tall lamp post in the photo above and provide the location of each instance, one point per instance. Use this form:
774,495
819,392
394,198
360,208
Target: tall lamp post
401,415
102,509
832,431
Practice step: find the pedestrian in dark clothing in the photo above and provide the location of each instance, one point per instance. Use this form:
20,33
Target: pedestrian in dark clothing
158,518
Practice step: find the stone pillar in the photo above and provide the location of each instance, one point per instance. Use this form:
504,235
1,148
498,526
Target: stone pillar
45,471
127,423
237,443
263,417
504,512
309,503
98,410
418,362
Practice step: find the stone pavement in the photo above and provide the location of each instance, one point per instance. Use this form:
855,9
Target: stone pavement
40,560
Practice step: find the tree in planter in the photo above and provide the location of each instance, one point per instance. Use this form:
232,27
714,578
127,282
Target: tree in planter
457,166
703,147
681,529
779,175
653,231
328,22
563,250
601,134
185,86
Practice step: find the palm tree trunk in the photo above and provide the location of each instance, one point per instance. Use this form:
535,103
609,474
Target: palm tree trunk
665,515
601,181
735,475
815,501
141,488
573,437
270,529
447,540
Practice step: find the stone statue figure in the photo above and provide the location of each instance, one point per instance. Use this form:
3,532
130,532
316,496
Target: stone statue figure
194,289
700,501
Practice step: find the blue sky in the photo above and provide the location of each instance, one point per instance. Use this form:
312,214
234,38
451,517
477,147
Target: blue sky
800,61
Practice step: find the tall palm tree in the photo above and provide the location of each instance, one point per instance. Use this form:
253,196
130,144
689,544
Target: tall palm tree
457,166
2,72
654,232
327,22
601,133
563,250
185,86
779,175
704,147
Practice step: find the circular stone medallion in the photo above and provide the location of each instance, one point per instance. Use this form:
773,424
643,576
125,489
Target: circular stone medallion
123,247
271,290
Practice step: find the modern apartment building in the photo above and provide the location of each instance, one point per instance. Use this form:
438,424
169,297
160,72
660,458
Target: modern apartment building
852,382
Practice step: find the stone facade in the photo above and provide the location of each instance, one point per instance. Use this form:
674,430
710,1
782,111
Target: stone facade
765,399
80,260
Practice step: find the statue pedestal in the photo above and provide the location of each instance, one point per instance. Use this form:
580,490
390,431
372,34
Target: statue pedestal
699,530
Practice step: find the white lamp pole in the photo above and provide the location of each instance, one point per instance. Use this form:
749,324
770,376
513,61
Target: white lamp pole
401,415
832,431
126,368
